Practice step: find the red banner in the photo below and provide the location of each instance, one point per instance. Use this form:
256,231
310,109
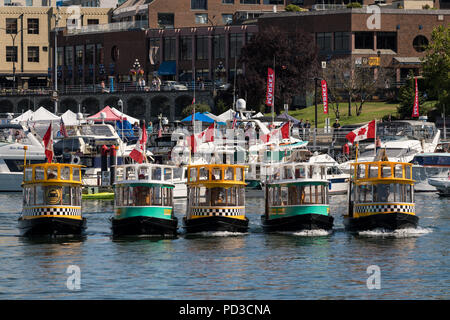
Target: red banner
416,102
324,96
270,87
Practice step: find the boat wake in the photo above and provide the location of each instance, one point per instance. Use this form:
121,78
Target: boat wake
308,233
218,234
400,233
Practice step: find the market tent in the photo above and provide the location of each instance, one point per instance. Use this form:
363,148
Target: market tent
110,115
289,118
23,117
44,115
201,117
125,116
70,118
227,115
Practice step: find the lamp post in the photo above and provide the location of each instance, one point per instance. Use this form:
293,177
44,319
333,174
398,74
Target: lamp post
57,16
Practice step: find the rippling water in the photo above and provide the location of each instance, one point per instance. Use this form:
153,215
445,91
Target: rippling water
413,264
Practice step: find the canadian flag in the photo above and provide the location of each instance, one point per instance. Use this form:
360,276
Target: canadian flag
137,154
48,143
362,133
208,134
205,136
284,130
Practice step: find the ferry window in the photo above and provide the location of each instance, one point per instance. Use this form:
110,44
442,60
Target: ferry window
156,174
241,196
76,174
167,174
26,196
39,195
65,173
408,172
66,195
126,195
39,173
284,195
229,174
167,199
217,174
204,174
372,171
300,172
294,195
276,196
193,175
177,173
381,192
398,171
28,174
361,172
157,196
52,173
216,196
364,193
386,171
118,196
287,173
141,196
143,173
239,174
131,173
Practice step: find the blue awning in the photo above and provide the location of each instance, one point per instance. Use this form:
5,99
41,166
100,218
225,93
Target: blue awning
167,68
201,117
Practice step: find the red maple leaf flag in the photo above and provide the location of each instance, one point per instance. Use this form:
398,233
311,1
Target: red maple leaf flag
137,154
362,133
208,134
285,131
48,143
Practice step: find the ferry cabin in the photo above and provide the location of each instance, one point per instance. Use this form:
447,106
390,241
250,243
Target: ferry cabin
144,200
216,198
52,200
381,195
297,198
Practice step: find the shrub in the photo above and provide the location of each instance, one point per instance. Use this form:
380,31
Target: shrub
354,5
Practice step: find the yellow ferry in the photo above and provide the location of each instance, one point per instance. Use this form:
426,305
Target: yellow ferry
51,200
215,198
381,195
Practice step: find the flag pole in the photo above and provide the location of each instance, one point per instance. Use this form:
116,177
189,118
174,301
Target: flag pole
273,101
376,138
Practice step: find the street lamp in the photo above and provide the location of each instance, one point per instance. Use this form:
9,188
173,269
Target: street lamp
13,38
55,95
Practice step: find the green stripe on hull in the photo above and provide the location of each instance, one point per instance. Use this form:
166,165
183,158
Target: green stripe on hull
289,211
154,212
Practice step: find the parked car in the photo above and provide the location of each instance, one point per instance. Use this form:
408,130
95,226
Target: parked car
173,86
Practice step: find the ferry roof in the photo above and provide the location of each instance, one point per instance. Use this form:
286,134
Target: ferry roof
386,172
145,174
216,175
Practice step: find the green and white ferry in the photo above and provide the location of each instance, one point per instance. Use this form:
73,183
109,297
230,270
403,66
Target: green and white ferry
296,198
144,200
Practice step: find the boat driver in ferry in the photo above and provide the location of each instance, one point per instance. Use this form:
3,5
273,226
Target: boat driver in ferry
142,194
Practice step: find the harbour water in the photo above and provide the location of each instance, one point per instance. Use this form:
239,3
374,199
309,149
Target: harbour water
413,264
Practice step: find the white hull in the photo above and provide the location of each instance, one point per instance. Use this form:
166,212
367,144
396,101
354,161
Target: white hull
441,184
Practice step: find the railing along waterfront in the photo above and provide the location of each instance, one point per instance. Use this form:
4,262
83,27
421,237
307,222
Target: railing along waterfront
109,27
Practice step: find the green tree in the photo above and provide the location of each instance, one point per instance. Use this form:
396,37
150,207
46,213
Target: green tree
406,96
294,8
198,108
436,67
354,5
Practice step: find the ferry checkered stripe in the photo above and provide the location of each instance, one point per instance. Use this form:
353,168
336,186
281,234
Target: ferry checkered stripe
385,208
218,212
52,211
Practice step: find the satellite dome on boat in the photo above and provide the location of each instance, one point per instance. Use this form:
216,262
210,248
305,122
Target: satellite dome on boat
240,104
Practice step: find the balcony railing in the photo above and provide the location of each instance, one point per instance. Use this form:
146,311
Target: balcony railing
328,6
109,27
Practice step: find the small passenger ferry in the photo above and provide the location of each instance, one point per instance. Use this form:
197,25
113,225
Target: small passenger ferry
144,200
216,198
296,197
381,196
52,200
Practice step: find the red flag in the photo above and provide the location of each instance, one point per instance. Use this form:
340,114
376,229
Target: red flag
324,96
160,132
362,133
62,128
208,134
285,130
137,154
270,87
234,120
416,101
48,143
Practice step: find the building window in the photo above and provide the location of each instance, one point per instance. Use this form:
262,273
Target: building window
11,26
29,3
228,1
227,18
69,56
250,1
202,47
60,56
169,48
341,41
33,54
92,21
99,59
236,42
201,18
11,54
419,43
166,20
79,55
33,26
273,2
364,40
323,40
219,46
185,48
387,40
154,47
199,4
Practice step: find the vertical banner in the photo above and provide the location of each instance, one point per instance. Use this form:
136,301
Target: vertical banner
324,96
270,87
416,101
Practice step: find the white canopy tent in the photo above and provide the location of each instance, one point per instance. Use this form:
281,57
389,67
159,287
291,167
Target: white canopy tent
226,116
43,115
24,117
70,118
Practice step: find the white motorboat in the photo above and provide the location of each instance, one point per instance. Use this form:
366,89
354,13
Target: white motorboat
428,166
441,183
13,138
